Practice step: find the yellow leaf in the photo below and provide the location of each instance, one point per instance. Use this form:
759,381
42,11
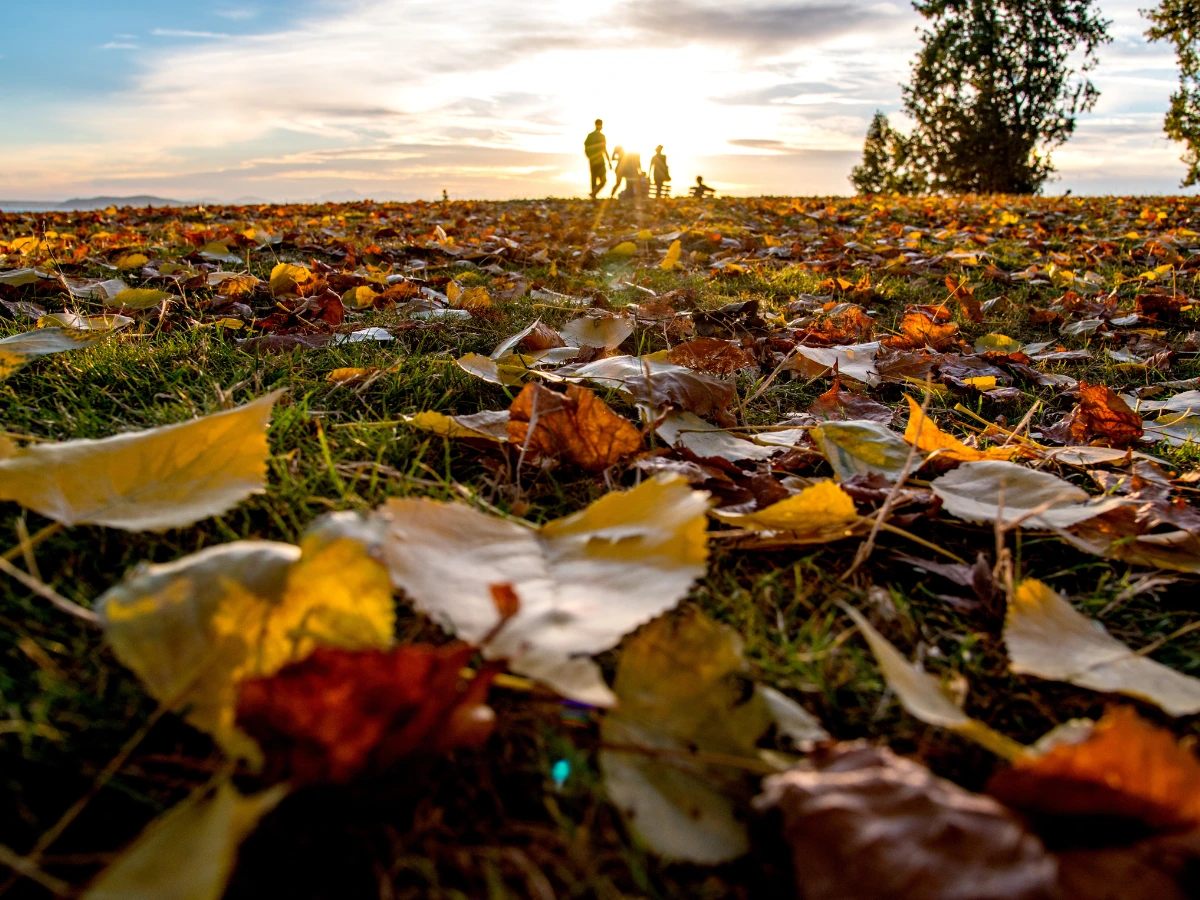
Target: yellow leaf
508,370
287,278
491,425
645,235
194,628
140,298
132,261
922,695
349,375
997,343
820,512
862,448
361,297
671,260
928,437
471,299
625,248
584,581
553,268
982,382
1049,638
19,349
682,686
151,480
188,853
77,322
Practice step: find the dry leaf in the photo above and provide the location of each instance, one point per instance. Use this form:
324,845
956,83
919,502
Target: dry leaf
577,427
603,331
584,581
711,355
19,349
338,713
1047,637
287,279
671,260
855,361
691,391
862,823
919,330
188,853
489,425
151,480
194,628
819,513
863,448
708,441
683,687
1103,414
994,490
838,405
923,432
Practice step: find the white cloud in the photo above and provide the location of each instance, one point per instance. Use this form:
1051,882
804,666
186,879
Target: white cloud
119,45
184,33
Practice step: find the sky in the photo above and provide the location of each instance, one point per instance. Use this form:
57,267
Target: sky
266,100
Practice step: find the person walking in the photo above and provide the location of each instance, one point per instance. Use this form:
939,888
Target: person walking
629,168
596,148
659,171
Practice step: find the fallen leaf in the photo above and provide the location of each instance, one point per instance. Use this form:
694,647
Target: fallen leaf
287,279
689,430
362,297
1049,638
712,355
919,330
683,687
577,427
534,337
671,260
150,480
863,448
350,375
819,513
862,822
188,853
131,261
603,331
839,405
339,713
997,343
472,299
193,629
584,581
692,391
17,350
922,431
141,298
1124,768
855,361
77,322
1103,414
489,425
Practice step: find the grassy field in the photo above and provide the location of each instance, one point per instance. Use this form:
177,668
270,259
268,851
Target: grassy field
493,822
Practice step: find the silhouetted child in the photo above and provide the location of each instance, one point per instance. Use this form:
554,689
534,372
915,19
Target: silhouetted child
659,171
702,190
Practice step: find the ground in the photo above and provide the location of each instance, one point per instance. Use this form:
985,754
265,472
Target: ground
493,822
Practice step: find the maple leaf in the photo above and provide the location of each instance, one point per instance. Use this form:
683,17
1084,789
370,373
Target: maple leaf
1102,414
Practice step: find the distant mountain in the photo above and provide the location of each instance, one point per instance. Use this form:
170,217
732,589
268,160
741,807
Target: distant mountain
85,203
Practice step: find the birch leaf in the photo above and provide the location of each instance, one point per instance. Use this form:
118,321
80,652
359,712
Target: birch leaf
862,448
584,581
605,332
193,629
19,349
994,490
151,480
821,512
1049,638
489,425
689,430
141,298
188,853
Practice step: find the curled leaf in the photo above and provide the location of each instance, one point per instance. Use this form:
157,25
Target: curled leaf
577,426
489,425
17,350
923,432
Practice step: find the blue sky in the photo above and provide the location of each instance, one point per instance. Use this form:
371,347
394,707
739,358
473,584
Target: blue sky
397,99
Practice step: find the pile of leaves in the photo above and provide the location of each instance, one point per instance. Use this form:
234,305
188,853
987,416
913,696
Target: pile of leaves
563,549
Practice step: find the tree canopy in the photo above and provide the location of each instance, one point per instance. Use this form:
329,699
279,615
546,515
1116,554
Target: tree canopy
887,165
1178,21
992,90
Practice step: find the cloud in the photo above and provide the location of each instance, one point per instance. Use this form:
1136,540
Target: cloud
762,27
119,45
184,33
758,143
236,15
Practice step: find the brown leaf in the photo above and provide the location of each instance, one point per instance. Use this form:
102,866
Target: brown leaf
1102,414
1126,769
543,337
577,426
711,355
840,406
1159,868
691,391
339,713
862,822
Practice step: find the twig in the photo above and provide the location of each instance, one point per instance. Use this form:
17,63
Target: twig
25,867
44,590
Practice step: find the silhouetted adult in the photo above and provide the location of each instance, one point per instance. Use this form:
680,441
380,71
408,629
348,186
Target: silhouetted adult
596,148
629,168
702,190
659,172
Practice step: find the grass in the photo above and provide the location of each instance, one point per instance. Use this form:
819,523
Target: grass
492,823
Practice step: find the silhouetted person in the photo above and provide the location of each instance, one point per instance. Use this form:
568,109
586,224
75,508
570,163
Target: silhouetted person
659,171
629,168
702,190
596,148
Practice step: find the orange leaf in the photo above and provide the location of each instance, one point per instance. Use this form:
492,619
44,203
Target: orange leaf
919,330
711,355
1127,769
578,427
928,437
1102,414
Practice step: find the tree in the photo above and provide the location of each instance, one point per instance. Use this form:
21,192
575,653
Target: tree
992,92
886,166
1178,21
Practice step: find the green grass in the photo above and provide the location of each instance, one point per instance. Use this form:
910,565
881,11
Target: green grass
490,823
